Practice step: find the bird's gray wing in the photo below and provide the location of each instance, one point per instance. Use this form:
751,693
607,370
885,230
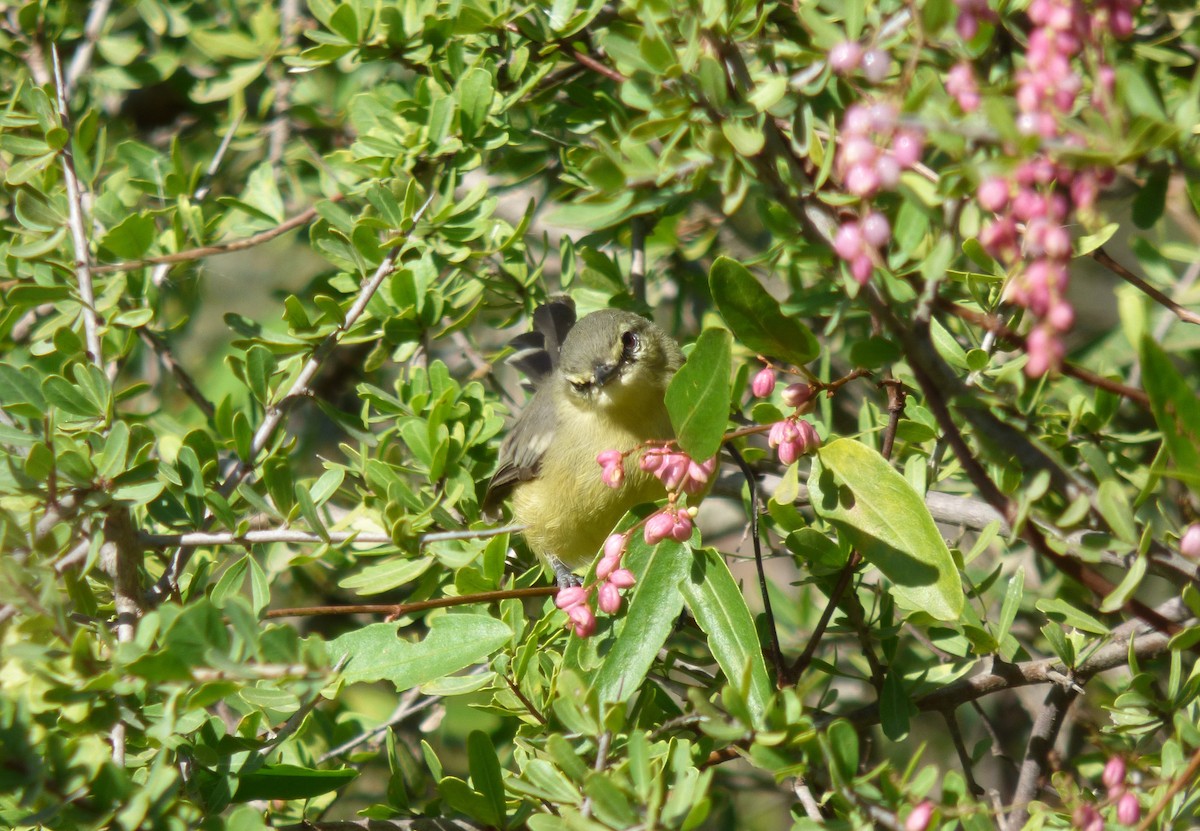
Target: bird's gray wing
523,448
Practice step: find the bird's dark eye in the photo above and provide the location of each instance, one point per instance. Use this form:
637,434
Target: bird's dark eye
629,344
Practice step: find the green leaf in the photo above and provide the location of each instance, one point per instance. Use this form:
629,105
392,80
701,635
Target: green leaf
260,365
475,94
1151,198
290,782
895,706
698,396
67,396
1114,507
132,237
377,653
626,651
1129,583
396,571
1063,612
843,750
755,316
716,602
485,774
855,489
1176,411
1012,603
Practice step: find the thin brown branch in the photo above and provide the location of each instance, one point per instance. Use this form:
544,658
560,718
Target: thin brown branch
220,248
994,324
83,268
1187,779
167,358
595,65
1186,315
1004,676
529,705
395,610
193,539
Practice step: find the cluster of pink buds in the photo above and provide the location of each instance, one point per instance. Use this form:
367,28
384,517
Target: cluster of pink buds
1189,543
672,522
847,56
857,242
970,13
873,150
1032,209
792,438
611,579
677,470
1129,811
960,83
1048,83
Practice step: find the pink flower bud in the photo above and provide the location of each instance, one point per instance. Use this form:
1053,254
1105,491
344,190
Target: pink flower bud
883,116
888,171
993,193
782,432
1114,773
856,150
907,147
1128,809
613,475
653,458
857,120
1060,316
614,546
918,818
844,57
862,180
608,458
608,599
967,26
789,452
876,230
584,620
570,597
861,268
681,528
622,578
875,65
1045,352
658,528
1189,543
1087,818
763,383
607,566
698,474
809,440
798,394
848,242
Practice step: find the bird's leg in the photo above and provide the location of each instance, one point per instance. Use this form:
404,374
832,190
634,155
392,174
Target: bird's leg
565,577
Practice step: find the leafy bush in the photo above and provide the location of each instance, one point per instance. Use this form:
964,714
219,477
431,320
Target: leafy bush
247,581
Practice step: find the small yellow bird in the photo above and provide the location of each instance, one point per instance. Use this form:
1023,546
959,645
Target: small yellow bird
599,384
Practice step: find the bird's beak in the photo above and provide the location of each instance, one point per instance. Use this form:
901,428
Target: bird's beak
603,372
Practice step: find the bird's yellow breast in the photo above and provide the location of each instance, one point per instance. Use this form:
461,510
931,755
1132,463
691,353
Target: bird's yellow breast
567,509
